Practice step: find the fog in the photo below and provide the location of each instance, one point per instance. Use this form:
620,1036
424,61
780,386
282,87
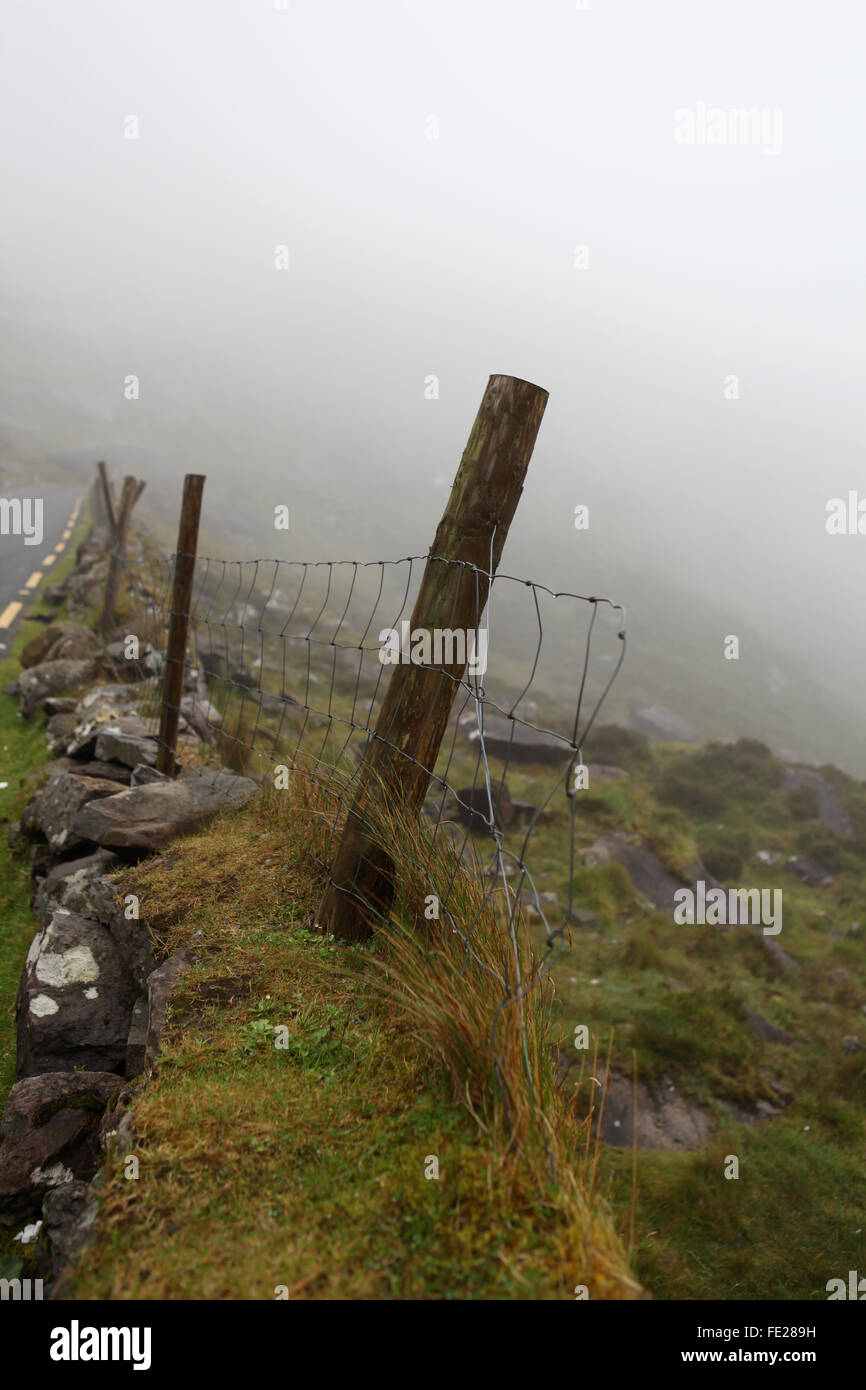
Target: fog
462,189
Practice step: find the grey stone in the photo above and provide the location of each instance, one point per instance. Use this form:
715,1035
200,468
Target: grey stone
767,1031
39,683
60,704
68,883
147,663
49,1135
69,1222
809,871
647,872
665,1119
830,809
472,806
509,739
85,588
75,998
58,731
61,642
114,772
119,744
55,806
109,697
159,989
130,934
202,717
143,775
89,729
146,818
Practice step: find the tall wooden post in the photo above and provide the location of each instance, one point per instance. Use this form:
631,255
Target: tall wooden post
181,596
402,753
117,558
108,498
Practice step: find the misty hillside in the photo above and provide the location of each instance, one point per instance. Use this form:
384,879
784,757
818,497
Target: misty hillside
341,344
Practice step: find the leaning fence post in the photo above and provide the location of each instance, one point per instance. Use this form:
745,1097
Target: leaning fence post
108,499
117,558
181,596
402,753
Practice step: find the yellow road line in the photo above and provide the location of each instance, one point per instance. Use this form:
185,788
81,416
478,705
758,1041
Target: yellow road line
10,613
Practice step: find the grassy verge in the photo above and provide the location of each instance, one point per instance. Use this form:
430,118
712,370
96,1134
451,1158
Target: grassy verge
310,1166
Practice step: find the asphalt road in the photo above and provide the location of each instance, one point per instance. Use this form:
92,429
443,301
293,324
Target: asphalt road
23,567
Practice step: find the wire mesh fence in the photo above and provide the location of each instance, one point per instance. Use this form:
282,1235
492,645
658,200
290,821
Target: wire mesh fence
286,671
287,668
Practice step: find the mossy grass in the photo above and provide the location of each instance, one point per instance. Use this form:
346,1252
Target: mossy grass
304,1166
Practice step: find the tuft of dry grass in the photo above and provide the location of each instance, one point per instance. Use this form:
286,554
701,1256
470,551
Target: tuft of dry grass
478,999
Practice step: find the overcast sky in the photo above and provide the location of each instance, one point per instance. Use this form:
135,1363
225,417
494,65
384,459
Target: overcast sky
455,256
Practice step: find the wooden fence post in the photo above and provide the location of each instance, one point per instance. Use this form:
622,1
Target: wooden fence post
108,499
117,558
181,596
402,752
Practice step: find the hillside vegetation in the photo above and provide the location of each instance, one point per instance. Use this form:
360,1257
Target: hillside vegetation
333,1122
306,1168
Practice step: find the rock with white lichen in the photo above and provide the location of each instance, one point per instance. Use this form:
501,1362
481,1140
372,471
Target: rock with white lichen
75,999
